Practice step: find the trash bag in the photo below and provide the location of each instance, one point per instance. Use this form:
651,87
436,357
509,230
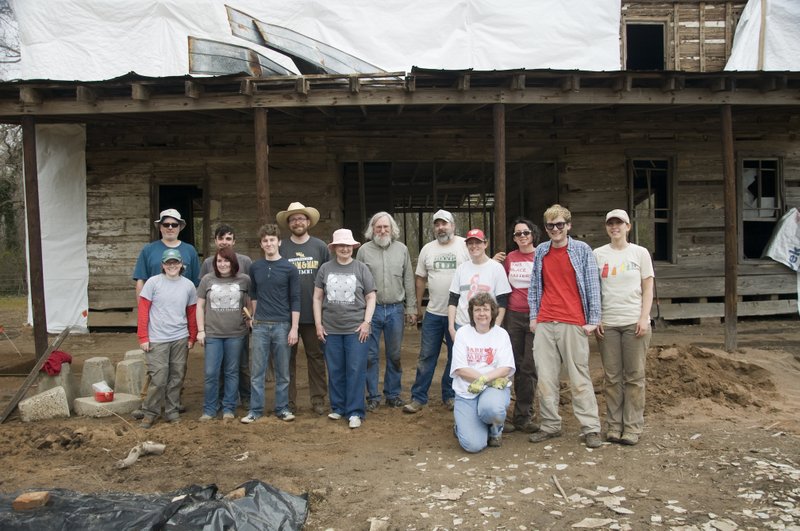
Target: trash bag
195,507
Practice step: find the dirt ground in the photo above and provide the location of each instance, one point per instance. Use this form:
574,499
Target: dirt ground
720,450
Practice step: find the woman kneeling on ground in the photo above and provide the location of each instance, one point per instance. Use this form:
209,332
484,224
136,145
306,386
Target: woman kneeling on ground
483,362
222,329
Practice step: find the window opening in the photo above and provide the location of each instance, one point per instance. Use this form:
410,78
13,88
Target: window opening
762,204
644,46
651,206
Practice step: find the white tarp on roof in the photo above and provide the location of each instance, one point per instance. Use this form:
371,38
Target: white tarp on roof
781,28
101,39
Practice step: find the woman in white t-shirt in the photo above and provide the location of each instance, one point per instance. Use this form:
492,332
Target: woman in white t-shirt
626,283
482,364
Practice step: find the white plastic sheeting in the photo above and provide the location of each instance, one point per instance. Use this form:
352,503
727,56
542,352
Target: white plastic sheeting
101,39
781,37
61,160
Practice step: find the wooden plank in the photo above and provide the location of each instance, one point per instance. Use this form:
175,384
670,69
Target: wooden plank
262,165
731,225
499,126
33,218
113,319
717,309
40,360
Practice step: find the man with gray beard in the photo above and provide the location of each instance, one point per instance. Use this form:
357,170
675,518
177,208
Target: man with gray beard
437,264
390,264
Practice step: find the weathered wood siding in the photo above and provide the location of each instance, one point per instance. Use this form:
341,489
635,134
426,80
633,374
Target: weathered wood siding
590,149
699,35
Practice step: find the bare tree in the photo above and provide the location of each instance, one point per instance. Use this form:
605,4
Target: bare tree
11,201
9,36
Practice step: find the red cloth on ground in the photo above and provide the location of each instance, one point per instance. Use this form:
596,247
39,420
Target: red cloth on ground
53,364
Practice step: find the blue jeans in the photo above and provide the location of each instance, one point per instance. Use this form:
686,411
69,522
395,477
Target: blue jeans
389,319
346,357
434,329
222,358
479,418
269,337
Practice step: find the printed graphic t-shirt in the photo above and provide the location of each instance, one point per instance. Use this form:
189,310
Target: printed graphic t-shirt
482,352
621,275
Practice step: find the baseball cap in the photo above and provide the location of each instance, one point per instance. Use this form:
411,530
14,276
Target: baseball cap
475,234
619,214
171,254
443,215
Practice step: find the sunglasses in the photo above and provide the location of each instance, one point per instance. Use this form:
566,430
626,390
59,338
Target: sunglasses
170,225
521,233
560,225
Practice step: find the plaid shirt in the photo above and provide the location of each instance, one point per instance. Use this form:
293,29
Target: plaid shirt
586,275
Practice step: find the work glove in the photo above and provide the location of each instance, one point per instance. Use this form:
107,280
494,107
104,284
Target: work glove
500,383
477,385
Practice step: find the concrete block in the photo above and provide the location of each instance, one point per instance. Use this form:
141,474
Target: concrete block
123,404
96,370
130,377
48,405
136,354
64,379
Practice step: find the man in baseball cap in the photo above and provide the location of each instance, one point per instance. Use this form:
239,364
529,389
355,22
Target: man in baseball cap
436,265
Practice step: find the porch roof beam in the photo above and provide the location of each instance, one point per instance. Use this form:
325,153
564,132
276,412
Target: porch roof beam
321,98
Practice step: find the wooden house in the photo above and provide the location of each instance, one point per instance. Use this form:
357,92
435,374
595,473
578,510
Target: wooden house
489,145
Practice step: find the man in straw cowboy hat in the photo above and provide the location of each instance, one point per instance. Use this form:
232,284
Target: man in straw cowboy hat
306,253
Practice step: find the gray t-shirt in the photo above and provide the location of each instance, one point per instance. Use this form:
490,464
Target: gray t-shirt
169,299
224,299
244,264
307,258
345,287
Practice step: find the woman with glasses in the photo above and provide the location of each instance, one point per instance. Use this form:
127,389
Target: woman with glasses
626,284
482,364
222,329
518,264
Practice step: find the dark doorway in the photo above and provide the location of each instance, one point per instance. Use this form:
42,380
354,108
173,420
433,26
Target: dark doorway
644,46
188,200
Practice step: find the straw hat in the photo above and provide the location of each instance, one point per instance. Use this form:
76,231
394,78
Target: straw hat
297,208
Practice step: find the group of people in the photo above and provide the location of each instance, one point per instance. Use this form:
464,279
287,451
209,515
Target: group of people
508,322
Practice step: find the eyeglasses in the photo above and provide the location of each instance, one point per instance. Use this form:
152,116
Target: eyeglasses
560,225
521,233
170,225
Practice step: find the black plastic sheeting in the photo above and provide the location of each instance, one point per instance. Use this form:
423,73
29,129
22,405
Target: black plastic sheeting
194,507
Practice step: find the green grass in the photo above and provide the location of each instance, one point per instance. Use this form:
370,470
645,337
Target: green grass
15,303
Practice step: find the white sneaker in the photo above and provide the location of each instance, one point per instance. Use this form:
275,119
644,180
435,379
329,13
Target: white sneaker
249,419
205,418
334,416
286,415
228,416
355,422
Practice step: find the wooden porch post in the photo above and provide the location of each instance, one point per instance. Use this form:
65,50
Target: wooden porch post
731,238
35,263
499,114
262,164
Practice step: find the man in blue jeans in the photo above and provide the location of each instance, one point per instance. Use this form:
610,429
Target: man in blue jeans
275,306
390,264
437,263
